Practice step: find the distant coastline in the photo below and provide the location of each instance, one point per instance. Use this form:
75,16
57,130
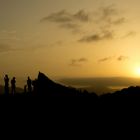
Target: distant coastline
101,85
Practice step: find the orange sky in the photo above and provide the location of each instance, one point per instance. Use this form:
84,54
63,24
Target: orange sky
77,38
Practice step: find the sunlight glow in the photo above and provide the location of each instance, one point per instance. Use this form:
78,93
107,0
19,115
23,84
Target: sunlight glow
137,71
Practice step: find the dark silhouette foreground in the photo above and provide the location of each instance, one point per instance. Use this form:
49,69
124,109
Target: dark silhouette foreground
6,87
44,87
29,85
13,86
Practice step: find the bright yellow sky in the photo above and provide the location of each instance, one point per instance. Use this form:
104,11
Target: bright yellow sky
70,38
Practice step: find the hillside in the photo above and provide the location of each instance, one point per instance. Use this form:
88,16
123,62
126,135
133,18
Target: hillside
45,87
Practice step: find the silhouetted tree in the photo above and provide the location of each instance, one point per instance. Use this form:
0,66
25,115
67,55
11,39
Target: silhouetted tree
6,87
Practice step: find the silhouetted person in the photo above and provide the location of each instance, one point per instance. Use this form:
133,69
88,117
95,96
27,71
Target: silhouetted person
25,89
13,85
6,87
29,85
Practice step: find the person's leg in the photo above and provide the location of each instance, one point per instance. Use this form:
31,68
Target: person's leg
15,90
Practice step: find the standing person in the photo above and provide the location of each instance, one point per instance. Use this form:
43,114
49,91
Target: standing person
6,87
25,89
29,85
13,85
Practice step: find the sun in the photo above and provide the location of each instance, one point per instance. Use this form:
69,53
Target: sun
137,71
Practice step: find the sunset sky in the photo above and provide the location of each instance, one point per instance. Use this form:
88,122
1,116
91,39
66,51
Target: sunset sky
70,38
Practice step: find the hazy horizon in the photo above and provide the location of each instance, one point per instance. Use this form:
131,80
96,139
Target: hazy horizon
63,38
99,85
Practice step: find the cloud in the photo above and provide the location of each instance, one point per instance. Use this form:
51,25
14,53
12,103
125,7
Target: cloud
69,26
102,21
74,63
68,20
130,34
82,60
108,11
106,21
78,62
59,17
105,59
122,58
119,21
110,15
64,16
97,37
82,16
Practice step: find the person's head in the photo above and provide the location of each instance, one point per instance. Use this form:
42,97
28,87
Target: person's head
14,78
6,76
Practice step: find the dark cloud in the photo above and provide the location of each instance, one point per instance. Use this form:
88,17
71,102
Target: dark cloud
64,16
69,25
78,62
108,11
110,15
61,17
91,38
105,59
74,63
68,20
82,16
97,37
82,60
103,22
122,58
108,19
